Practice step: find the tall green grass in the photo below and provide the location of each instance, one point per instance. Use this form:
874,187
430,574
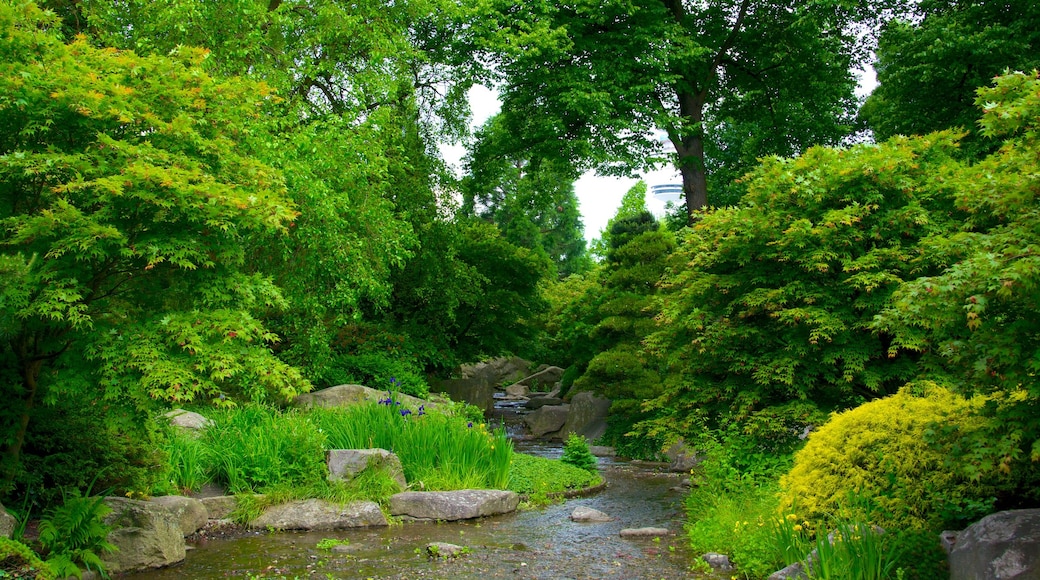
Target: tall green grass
263,450
437,451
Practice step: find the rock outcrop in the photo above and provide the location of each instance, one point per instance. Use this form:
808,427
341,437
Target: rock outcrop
453,505
1000,546
146,535
191,514
316,514
587,416
547,420
682,457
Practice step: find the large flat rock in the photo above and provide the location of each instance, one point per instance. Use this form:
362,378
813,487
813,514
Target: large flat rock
316,514
453,505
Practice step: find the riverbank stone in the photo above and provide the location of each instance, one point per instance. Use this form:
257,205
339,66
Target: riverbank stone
1000,546
316,514
346,464
191,514
583,514
793,572
219,507
718,562
547,421
146,535
453,505
645,532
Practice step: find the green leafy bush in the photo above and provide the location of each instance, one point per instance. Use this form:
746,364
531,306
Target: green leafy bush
772,301
576,452
892,452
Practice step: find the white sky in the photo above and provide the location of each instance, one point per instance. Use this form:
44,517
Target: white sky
598,197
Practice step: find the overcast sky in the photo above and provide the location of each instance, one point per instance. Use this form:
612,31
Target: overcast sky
598,197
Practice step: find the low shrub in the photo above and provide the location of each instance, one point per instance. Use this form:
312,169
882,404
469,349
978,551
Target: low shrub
529,474
576,452
893,452
736,519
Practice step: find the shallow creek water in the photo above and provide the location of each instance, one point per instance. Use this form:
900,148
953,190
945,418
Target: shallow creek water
537,543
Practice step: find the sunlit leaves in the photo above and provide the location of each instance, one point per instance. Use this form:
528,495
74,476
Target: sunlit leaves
128,200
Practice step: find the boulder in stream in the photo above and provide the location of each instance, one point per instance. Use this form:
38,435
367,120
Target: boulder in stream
583,514
587,416
453,505
444,550
316,514
547,420
645,532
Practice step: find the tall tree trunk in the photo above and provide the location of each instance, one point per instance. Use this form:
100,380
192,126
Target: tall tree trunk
30,370
690,149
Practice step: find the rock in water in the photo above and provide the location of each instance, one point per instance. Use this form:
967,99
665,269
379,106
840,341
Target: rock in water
453,505
587,417
444,550
645,532
316,514
585,514
547,420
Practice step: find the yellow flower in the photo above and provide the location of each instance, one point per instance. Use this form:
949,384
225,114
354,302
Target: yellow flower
797,527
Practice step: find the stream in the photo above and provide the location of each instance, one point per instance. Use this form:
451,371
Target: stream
534,543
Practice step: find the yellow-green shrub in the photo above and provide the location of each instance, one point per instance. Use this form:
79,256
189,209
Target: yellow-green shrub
894,457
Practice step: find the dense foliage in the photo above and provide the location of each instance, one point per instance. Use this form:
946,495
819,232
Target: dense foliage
228,204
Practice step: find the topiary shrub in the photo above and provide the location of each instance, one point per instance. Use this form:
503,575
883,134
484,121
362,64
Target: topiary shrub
894,454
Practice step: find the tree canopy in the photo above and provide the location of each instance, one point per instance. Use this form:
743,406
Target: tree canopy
728,80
